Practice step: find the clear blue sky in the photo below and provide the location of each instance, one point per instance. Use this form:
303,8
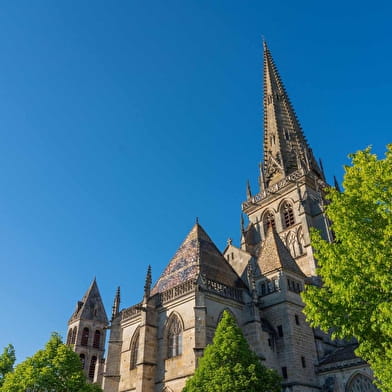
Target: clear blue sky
123,121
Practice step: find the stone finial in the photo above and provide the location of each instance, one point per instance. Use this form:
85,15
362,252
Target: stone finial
116,303
229,241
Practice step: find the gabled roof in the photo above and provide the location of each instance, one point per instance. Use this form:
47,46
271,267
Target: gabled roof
275,256
197,255
91,306
241,259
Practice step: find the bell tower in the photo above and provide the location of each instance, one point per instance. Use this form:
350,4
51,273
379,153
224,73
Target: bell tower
291,197
87,332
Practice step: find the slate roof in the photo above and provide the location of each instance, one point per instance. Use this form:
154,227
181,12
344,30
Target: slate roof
197,254
91,306
344,353
275,256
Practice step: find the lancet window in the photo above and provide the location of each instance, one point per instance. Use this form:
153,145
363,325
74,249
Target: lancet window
73,338
97,339
134,350
69,336
85,333
287,214
82,360
91,370
174,337
269,220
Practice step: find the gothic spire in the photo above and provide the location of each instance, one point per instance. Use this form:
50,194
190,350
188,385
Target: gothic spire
285,147
116,303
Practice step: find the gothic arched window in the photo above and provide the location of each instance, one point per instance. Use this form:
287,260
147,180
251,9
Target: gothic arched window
269,220
69,336
82,360
361,383
174,337
85,333
287,214
97,339
73,338
91,370
134,350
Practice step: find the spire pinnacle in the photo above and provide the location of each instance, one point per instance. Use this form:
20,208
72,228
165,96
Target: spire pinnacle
336,184
285,147
248,190
116,303
242,223
261,176
321,167
264,42
147,284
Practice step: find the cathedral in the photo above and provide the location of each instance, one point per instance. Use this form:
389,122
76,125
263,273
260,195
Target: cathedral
154,346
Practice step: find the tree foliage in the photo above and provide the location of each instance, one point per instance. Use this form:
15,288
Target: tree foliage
7,360
229,365
356,269
56,368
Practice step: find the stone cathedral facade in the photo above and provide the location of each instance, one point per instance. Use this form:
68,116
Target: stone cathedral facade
154,345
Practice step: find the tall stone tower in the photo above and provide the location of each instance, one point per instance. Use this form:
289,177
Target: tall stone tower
275,256
87,332
290,198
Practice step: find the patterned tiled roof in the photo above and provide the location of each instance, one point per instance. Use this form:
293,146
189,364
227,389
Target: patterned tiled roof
275,256
197,254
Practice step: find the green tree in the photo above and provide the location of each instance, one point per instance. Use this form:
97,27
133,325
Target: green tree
56,368
229,365
356,269
7,360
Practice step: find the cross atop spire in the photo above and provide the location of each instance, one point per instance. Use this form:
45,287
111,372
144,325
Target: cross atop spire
285,147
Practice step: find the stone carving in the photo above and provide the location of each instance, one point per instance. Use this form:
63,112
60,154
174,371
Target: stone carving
274,188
